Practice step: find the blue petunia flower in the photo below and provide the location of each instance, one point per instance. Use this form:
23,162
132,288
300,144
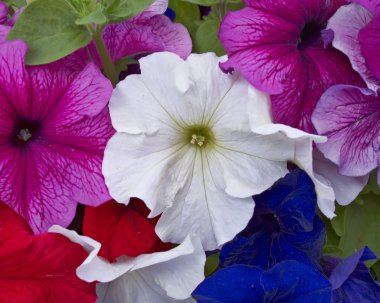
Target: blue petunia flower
350,278
286,282
284,227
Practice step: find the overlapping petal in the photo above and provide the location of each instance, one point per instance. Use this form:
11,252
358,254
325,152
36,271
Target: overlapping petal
288,281
168,276
283,227
277,46
347,25
45,177
349,117
39,268
192,187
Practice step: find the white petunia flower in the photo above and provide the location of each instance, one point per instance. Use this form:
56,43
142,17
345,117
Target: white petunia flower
186,145
161,277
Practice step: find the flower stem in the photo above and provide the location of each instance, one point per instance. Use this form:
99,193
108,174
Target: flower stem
108,66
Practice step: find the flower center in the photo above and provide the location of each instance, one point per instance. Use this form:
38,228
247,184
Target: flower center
25,130
271,222
310,35
200,136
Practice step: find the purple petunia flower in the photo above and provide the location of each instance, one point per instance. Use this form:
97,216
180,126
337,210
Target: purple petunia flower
54,126
277,45
349,115
350,278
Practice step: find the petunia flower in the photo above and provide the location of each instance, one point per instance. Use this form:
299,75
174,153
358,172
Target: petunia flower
284,226
185,146
278,47
39,268
288,281
123,230
161,277
148,32
54,126
351,279
349,117
352,25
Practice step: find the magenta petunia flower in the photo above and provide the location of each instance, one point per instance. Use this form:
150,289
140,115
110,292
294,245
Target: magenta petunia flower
54,125
148,32
277,45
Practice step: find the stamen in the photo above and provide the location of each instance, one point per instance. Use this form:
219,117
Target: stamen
24,135
199,140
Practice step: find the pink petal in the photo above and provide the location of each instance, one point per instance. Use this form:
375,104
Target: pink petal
3,12
158,7
246,35
350,117
369,38
372,5
347,22
4,31
174,36
324,68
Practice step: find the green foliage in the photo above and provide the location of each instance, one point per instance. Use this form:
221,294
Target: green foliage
206,38
187,14
16,3
120,10
212,263
95,16
362,226
49,29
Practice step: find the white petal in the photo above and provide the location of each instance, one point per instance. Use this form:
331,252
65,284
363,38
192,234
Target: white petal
169,276
204,210
142,166
346,188
251,163
325,193
94,268
148,103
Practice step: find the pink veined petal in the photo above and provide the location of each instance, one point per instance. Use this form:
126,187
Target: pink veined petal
350,117
262,46
126,38
174,36
369,38
158,7
4,31
308,81
372,5
71,96
14,80
346,24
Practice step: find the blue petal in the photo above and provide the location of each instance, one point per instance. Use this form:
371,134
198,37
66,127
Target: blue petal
352,281
235,284
291,281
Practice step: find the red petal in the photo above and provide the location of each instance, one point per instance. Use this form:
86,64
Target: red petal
40,268
122,230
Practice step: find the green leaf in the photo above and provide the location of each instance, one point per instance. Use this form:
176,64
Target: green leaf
49,29
212,263
186,14
120,10
17,3
376,269
203,2
362,225
96,16
338,221
206,38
